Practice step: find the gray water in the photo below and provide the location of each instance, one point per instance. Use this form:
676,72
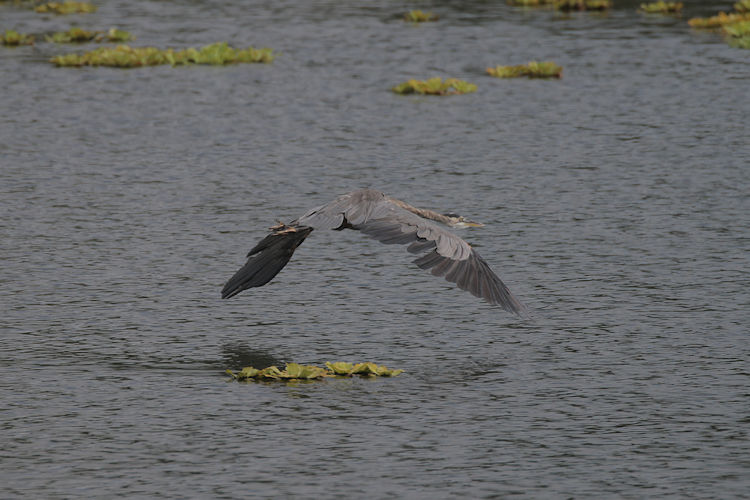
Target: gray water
616,208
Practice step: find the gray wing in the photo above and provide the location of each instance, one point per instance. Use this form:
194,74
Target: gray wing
375,215
346,211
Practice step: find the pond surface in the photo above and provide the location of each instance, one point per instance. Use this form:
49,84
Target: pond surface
616,208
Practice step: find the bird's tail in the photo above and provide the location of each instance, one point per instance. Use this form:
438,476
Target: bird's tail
266,259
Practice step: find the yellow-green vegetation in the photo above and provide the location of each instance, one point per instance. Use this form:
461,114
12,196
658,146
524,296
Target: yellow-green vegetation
67,7
13,38
719,20
735,26
661,7
294,371
124,56
113,35
78,35
738,34
367,369
72,35
568,5
417,16
534,69
435,86
737,30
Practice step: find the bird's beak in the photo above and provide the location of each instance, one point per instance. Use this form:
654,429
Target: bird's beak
469,223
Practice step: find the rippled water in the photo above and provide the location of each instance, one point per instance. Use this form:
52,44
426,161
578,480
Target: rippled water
616,204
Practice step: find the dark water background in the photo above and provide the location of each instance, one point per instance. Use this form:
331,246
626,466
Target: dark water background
616,203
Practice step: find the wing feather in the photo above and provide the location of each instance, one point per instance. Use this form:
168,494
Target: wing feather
421,246
443,267
266,259
451,256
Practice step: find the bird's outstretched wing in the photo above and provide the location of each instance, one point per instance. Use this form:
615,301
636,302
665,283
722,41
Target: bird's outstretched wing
387,221
449,255
266,259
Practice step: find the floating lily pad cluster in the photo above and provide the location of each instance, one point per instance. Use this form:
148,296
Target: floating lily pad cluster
735,26
124,56
719,20
533,69
67,7
367,369
738,34
294,371
13,38
661,7
435,86
417,16
80,35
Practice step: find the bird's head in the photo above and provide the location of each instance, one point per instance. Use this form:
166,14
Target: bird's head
460,221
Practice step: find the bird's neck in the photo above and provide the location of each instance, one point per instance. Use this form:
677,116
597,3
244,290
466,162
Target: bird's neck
422,212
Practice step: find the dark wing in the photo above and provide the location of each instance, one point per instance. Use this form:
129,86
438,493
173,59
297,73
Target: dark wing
266,259
448,256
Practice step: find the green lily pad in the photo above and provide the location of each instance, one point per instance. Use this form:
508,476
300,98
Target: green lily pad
533,69
115,35
309,372
271,372
737,30
340,367
435,86
73,35
249,372
661,7
719,20
371,369
124,56
738,34
365,369
735,26
12,38
67,7
417,16
294,371
80,35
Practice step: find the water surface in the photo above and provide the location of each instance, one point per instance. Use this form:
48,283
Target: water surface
615,202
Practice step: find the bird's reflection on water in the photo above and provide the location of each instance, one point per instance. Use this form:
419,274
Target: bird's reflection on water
239,355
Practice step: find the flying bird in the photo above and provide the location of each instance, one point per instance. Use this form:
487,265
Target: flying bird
389,221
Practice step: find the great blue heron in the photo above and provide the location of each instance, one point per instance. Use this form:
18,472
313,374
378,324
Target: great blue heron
389,221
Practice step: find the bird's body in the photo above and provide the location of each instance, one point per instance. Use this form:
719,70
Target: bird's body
389,221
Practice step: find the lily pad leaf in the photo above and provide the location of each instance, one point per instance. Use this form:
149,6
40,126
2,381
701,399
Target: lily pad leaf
340,367
295,371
